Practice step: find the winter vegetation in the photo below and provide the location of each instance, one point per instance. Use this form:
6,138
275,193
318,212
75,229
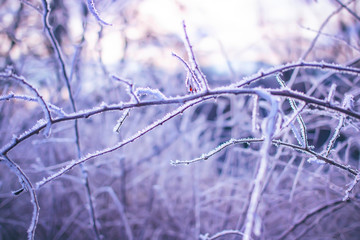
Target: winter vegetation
114,128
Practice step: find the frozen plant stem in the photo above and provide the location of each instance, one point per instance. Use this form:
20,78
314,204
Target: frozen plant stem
195,65
192,82
136,136
298,116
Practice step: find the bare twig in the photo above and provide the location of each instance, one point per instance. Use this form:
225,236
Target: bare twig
349,10
312,45
309,215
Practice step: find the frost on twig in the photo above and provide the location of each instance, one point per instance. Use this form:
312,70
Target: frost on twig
131,139
197,82
53,108
39,98
134,95
154,93
347,103
331,93
351,187
222,146
95,13
192,82
298,116
121,120
130,87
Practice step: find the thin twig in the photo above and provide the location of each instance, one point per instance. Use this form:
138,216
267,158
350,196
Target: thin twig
94,12
52,108
298,116
349,10
27,185
312,45
182,99
193,59
61,62
119,145
309,215
40,99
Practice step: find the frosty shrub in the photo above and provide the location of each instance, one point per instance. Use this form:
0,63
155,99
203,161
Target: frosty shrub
164,148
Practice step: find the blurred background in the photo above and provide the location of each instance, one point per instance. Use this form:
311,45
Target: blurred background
137,193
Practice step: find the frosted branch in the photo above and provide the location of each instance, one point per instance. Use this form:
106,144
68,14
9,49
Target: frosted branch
27,185
119,145
94,12
195,65
219,148
298,116
39,98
